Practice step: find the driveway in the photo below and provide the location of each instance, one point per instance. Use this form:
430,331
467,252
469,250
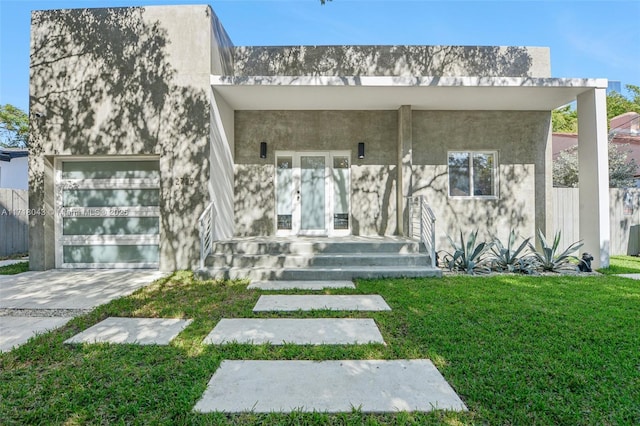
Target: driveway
33,302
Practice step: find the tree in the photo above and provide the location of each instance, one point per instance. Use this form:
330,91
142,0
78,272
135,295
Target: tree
565,119
14,127
618,104
621,168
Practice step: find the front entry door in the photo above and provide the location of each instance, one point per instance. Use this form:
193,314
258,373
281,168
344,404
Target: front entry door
312,193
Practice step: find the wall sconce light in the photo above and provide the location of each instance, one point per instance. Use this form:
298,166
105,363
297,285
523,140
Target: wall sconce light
263,150
360,150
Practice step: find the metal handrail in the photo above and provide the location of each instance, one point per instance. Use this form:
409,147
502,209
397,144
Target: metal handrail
427,225
205,225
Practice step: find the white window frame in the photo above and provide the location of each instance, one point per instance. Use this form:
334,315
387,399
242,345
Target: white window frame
61,240
496,185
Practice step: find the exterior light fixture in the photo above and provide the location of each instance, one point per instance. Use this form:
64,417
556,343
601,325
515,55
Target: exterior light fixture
263,150
360,150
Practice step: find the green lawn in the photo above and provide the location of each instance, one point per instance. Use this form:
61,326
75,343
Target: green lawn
16,268
622,265
518,350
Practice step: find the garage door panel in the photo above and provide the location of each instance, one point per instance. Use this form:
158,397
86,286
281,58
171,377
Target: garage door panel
110,197
111,226
110,169
104,254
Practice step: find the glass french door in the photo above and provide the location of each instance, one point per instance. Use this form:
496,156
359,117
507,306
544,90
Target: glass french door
312,193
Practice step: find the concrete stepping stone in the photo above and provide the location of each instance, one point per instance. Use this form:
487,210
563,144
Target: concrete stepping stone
328,386
288,303
141,331
299,285
14,331
313,331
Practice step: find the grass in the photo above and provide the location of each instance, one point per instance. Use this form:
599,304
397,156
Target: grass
622,265
16,268
518,350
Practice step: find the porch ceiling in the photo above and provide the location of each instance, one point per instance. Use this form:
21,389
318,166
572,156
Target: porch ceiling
387,93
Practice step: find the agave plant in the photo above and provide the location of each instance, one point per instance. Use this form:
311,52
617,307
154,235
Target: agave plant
550,259
468,257
510,259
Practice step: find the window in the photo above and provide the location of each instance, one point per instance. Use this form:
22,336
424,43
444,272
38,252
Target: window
472,174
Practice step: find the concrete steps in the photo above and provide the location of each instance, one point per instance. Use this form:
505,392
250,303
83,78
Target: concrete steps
305,259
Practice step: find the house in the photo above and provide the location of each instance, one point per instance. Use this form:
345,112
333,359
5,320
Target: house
624,132
14,168
145,118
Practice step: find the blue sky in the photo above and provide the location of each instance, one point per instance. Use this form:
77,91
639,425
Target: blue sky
599,39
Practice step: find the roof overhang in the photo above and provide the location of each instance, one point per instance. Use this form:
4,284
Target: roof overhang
9,154
387,93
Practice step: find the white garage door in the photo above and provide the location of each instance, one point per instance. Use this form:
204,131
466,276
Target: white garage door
108,213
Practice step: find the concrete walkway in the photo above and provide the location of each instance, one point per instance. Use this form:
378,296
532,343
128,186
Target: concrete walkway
141,331
632,276
299,285
13,261
35,301
309,331
289,303
328,386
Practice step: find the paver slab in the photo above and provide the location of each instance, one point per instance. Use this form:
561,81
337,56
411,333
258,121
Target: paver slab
312,331
299,285
632,276
289,303
14,331
142,331
328,386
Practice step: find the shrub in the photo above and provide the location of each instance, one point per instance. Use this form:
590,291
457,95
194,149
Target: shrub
507,259
468,257
549,258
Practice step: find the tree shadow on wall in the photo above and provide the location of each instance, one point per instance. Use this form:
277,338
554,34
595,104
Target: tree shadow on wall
104,85
492,217
436,61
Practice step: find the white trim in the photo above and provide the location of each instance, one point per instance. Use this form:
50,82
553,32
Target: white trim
295,196
496,175
406,81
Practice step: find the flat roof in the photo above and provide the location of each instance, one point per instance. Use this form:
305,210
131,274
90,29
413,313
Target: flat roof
386,92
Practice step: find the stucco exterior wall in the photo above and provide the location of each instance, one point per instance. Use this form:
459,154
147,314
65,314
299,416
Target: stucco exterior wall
436,61
519,137
373,199
117,82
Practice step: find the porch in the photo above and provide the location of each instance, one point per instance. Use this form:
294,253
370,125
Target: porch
268,258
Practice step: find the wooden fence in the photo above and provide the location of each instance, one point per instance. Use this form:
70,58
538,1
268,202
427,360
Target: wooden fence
624,215
14,222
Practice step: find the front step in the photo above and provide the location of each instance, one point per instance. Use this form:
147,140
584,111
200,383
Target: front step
313,274
308,259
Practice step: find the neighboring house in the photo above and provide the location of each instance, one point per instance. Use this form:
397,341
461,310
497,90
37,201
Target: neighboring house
140,126
624,132
14,168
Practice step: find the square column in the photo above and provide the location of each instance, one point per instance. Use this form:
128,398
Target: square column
405,167
594,175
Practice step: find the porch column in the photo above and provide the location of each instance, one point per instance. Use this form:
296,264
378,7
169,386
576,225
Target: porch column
405,163
594,175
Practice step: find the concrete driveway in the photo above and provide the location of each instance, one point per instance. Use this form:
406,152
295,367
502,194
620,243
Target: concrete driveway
33,302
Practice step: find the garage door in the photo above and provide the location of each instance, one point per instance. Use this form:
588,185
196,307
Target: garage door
108,213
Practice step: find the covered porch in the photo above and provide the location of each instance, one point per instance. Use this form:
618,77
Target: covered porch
407,95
